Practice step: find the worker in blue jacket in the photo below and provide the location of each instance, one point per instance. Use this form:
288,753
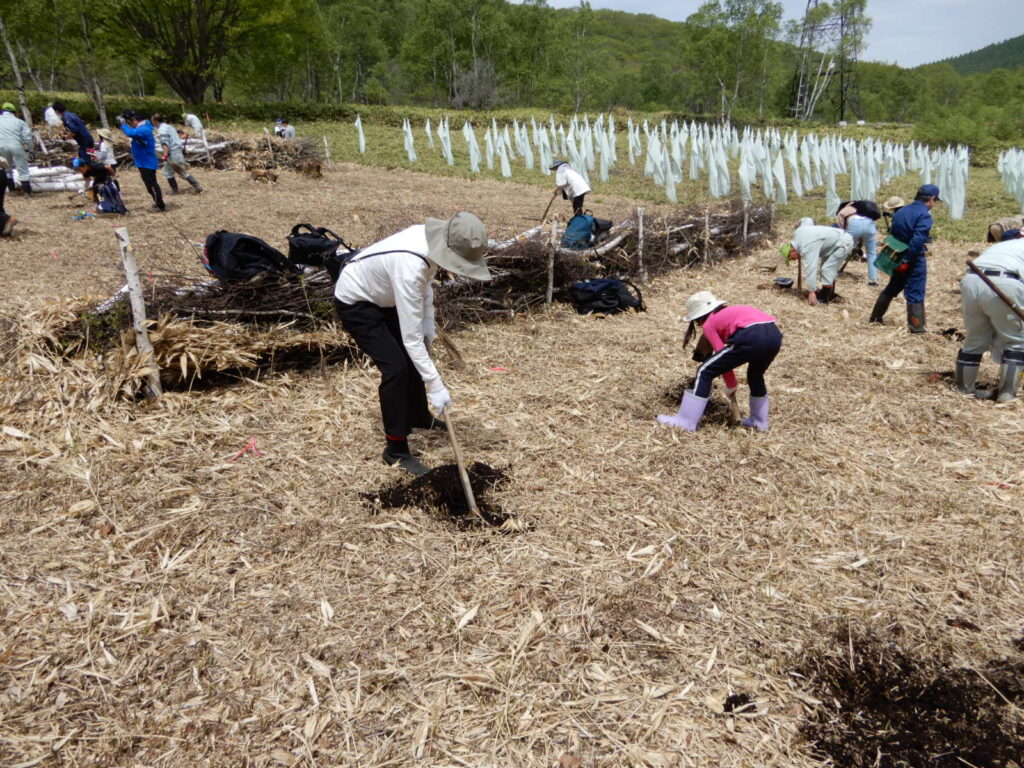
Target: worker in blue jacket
143,153
75,127
912,224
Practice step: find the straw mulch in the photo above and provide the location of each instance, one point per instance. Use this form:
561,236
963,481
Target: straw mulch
171,598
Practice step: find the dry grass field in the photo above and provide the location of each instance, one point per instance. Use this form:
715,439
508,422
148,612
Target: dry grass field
658,598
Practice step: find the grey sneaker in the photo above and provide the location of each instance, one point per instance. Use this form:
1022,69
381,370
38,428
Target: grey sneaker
405,461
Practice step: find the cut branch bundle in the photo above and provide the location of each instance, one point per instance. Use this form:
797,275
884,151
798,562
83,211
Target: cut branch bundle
208,327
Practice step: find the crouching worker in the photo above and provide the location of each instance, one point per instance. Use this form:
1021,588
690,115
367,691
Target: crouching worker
385,301
737,335
821,252
989,323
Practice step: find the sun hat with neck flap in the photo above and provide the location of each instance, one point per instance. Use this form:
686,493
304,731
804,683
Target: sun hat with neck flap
459,245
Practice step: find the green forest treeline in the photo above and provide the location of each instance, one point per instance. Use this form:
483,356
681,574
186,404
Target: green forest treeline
730,59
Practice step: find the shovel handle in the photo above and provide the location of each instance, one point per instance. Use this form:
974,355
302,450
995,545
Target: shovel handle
467,488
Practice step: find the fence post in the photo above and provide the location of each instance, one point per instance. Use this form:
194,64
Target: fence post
551,262
641,270
145,347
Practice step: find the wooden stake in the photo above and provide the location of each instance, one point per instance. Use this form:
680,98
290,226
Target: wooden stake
467,487
206,143
270,144
551,262
746,219
131,271
327,151
707,236
734,410
641,271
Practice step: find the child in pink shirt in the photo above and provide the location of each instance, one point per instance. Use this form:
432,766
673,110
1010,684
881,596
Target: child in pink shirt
737,335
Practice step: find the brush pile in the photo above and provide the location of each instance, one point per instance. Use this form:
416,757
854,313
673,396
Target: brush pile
211,328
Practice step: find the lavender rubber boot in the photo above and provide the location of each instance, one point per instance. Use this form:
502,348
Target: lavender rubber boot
690,411
758,418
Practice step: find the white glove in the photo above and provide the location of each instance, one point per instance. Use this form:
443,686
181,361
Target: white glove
429,332
730,391
439,399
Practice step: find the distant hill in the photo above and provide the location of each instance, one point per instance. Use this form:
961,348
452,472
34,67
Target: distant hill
1008,54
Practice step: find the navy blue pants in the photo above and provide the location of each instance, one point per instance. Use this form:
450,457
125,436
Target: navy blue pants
911,282
756,345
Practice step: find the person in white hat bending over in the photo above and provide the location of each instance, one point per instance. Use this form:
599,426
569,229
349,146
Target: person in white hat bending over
571,184
736,334
385,301
821,252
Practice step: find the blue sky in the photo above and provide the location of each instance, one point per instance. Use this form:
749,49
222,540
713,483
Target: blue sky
905,32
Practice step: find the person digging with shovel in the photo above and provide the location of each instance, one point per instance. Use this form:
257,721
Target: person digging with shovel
737,334
385,302
571,184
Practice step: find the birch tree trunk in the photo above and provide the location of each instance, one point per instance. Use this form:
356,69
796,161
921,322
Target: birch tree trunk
19,83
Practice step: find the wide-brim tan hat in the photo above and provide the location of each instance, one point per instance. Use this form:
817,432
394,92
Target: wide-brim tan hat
700,304
459,245
893,203
105,133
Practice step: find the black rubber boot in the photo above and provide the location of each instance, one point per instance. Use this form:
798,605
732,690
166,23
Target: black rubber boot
405,461
195,184
173,183
881,307
7,223
26,187
915,318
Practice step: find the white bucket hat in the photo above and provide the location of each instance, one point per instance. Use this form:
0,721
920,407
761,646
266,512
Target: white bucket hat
700,304
459,245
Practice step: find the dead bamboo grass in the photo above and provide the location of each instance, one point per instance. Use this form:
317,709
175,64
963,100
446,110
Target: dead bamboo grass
170,600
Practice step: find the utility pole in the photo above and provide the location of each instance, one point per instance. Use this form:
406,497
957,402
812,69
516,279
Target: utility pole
830,37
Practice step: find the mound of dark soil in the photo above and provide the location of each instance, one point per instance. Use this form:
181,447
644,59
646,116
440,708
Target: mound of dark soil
441,490
886,706
717,411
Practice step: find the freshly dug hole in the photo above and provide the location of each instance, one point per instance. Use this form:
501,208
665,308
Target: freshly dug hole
886,706
441,490
717,411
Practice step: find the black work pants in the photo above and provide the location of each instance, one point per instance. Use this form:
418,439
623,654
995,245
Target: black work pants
577,204
3,190
149,180
756,345
403,398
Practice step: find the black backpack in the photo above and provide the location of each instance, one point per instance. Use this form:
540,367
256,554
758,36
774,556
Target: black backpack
606,296
311,245
235,257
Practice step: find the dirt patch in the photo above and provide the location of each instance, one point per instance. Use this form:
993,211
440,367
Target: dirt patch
885,705
717,411
440,490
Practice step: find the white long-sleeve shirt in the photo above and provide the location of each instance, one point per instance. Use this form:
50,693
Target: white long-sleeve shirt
400,280
570,182
52,118
105,153
195,124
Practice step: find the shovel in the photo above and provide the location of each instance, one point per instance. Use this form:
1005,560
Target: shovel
545,216
467,488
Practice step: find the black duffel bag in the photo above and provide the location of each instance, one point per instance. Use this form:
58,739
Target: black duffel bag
311,245
606,296
233,256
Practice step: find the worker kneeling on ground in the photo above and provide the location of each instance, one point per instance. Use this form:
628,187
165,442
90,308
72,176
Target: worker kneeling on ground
821,252
990,323
737,335
386,303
